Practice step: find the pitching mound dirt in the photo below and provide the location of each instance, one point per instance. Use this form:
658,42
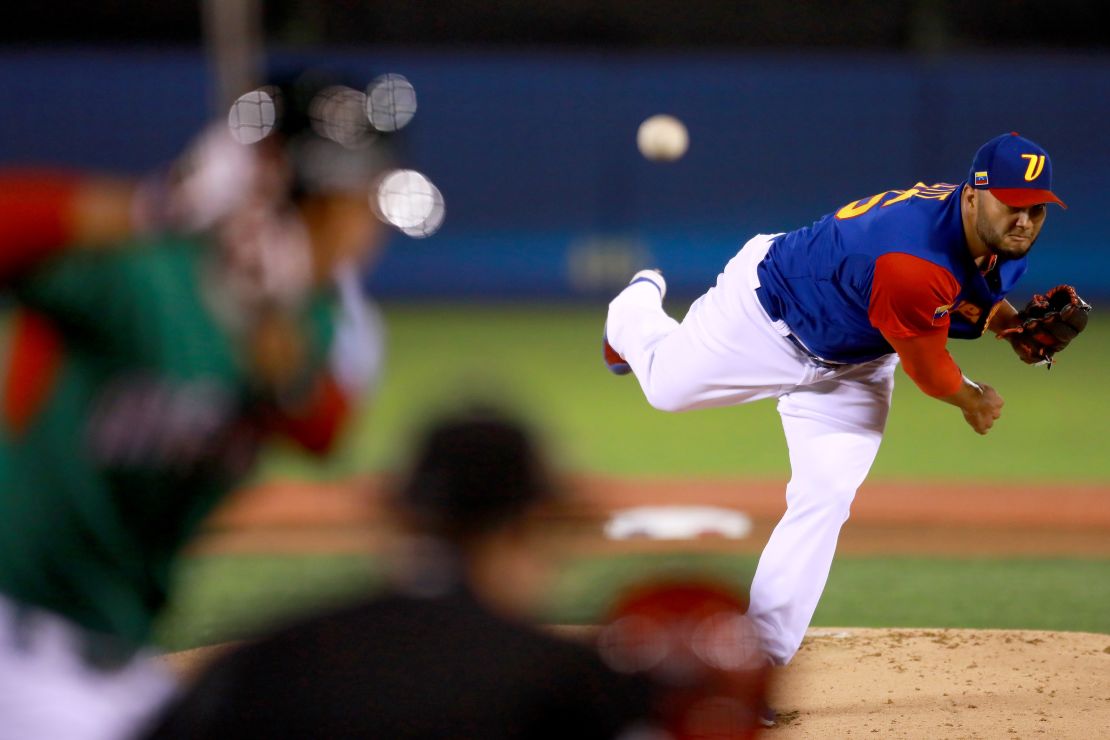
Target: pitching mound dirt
904,683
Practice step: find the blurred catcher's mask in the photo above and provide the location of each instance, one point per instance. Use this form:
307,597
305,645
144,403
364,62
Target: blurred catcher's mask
694,641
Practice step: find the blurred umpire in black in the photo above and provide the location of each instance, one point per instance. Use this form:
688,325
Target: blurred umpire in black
445,651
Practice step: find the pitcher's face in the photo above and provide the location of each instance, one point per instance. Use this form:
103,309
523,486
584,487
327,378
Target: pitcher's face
1007,231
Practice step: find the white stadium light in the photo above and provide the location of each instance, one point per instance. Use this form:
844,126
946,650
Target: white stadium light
390,102
252,116
411,202
339,113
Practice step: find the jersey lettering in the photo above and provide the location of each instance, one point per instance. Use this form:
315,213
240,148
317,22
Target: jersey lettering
940,191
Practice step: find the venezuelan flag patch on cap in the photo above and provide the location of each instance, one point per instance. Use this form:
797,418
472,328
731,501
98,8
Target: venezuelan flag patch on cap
980,179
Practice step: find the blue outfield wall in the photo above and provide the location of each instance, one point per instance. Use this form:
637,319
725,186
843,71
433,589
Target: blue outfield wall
535,151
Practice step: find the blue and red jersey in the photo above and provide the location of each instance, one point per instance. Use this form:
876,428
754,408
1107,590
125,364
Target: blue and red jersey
894,266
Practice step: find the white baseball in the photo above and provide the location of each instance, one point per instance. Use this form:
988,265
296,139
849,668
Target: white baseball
662,138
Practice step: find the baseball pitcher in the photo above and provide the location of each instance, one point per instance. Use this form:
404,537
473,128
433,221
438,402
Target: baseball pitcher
819,317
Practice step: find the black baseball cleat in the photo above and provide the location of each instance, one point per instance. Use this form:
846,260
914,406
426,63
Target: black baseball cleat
768,717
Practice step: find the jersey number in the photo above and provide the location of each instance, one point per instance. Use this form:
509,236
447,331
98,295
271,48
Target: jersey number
940,191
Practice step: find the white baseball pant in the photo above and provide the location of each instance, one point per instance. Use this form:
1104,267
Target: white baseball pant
727,351
49,691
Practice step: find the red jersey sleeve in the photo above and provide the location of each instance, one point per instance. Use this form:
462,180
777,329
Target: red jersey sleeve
929,364
910,296
35,217
910,301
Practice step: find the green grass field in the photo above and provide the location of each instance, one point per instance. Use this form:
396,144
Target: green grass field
544,361
222,598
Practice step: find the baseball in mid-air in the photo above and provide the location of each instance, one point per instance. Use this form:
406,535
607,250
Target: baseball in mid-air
662,138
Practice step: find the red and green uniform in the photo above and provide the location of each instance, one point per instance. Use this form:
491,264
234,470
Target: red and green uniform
128,411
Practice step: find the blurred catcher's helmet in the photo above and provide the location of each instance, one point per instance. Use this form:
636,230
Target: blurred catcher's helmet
694,641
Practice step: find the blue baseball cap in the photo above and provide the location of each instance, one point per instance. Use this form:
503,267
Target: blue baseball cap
1015,170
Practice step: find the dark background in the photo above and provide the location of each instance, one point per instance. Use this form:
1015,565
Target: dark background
922,25
528,113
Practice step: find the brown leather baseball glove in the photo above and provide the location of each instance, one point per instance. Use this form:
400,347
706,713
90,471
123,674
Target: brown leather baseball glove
1048,323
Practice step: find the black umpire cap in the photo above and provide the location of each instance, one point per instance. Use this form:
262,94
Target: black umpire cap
473,472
